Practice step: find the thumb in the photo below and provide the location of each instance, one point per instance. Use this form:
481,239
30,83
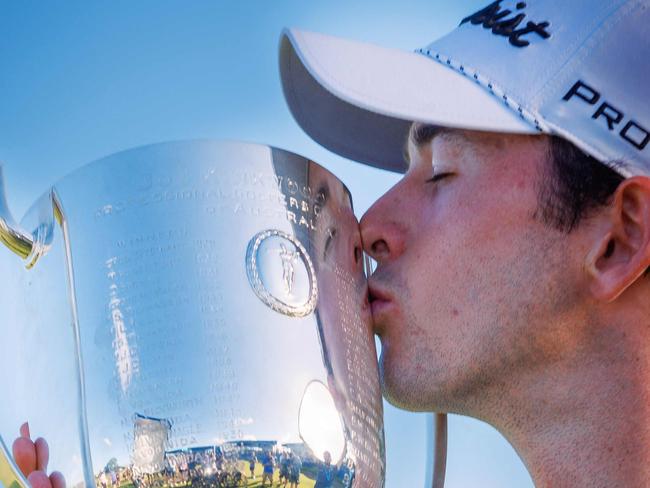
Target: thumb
24,430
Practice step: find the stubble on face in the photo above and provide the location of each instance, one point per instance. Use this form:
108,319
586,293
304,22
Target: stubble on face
482,286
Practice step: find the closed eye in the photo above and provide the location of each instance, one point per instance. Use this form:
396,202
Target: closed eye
438,177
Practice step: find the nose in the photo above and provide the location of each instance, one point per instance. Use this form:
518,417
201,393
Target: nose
384,227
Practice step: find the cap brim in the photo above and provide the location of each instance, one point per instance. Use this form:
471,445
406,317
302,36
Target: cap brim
358,100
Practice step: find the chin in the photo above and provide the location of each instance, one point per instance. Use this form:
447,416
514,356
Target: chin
399,387
408,386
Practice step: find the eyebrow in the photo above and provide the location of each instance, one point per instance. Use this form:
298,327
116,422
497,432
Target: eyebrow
421,134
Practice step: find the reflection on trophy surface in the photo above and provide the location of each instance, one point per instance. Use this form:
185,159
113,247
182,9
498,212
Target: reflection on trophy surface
221,330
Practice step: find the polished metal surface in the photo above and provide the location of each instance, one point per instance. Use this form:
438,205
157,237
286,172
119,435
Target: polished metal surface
11,235
10,475
221,334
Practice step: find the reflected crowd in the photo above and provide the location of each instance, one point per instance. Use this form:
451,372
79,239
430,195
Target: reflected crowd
234,464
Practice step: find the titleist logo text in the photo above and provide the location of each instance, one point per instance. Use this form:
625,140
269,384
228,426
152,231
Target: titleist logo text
492,17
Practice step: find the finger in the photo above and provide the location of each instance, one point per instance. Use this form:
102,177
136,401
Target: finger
24,430
25,455
38,479
57,480
42,454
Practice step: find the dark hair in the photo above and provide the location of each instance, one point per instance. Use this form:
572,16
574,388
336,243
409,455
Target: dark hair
573,185
570,187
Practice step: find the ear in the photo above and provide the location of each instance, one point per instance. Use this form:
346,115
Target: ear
621,253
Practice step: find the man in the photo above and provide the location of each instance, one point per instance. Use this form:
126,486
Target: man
283,476
512,280
251,465
513,262
295,466
325,475
268,468
103,479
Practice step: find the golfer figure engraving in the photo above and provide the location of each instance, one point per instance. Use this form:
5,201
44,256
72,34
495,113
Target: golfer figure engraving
288,271
281,273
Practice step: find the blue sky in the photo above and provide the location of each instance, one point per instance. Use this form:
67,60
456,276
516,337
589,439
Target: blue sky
80,80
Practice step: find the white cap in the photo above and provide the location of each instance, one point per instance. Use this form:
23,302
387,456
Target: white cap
579,69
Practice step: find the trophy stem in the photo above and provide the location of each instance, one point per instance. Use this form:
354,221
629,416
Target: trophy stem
440,454
11,235
10,475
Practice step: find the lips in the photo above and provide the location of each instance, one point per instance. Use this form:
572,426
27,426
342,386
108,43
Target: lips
381,304
377,294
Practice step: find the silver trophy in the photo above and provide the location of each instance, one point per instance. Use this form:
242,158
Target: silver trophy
204,305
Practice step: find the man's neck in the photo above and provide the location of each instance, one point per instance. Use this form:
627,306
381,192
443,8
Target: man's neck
588,423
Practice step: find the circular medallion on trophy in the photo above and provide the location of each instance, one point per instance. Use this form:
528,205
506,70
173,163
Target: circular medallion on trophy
281,273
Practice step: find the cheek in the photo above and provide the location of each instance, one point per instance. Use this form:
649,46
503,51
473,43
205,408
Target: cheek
462,247
461,264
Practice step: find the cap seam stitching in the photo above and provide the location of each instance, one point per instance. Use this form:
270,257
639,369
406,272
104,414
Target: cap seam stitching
538,121
603,27
495,89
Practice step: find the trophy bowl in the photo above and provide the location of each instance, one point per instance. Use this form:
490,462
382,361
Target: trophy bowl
203,308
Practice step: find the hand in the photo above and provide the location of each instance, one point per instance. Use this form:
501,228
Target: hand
32,458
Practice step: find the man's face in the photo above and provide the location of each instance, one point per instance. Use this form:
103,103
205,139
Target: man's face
471,289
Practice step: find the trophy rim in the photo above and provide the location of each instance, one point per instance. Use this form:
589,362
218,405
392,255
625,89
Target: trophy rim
205,140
